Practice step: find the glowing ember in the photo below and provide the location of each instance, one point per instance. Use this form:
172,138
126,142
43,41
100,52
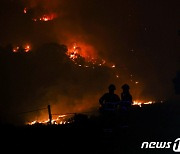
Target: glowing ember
27,48
113,66
25,10
16,49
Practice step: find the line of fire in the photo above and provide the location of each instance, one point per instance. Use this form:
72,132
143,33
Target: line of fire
70,118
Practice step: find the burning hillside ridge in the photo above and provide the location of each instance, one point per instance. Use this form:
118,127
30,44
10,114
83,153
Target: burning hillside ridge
42,15
42,10
84,55
46,17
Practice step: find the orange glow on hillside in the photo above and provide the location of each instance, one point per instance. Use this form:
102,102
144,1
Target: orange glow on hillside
46,17
81,49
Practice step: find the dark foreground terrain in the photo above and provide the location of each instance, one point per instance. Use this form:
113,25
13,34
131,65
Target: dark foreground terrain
157,122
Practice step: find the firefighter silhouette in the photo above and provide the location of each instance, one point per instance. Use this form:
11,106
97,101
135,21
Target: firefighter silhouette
126,97
109,101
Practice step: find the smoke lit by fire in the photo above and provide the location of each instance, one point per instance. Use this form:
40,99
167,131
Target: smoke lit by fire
81,53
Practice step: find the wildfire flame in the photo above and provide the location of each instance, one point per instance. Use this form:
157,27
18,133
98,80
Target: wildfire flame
16,49
63,119
78,52
60,120
25,10
113,66
83,51
46,17
137,102
73,54
25,48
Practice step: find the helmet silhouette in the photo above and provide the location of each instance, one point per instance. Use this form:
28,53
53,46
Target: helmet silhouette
125,87
112,87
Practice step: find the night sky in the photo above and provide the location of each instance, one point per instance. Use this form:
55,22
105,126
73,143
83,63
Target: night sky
139,37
